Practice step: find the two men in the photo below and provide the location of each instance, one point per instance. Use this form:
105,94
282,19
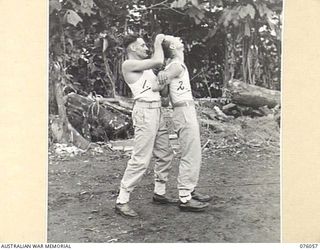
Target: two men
151,136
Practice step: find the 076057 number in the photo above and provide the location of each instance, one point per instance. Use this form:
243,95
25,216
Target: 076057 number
308,245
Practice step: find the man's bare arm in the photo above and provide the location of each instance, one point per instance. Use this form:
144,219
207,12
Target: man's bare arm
155,61
164,92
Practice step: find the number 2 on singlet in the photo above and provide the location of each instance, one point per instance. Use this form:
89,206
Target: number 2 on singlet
181,87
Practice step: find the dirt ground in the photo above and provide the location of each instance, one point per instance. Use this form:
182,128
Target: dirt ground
243,176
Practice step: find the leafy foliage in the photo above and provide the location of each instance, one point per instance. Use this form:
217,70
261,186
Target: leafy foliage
224,39
252,43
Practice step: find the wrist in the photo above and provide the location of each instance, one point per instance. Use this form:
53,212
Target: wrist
157,43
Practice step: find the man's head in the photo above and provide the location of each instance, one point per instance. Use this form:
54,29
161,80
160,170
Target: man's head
172,46
135,46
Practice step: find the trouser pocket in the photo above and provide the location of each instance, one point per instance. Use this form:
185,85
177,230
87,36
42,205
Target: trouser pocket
138,117
179,120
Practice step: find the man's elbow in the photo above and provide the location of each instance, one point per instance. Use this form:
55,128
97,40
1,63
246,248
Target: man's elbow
155,89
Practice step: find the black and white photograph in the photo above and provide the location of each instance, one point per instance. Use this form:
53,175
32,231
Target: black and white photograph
164,121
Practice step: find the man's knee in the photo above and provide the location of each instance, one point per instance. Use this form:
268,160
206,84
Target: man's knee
135,164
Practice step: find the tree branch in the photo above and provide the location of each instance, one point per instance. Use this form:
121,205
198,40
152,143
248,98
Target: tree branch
154,5
179,12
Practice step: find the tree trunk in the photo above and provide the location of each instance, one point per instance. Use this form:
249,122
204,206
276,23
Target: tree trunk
109,73
226,75
62,130
253,96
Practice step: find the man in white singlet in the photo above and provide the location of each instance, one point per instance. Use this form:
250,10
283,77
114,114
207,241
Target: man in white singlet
150,131
176,77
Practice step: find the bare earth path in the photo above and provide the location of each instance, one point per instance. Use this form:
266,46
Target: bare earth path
245,185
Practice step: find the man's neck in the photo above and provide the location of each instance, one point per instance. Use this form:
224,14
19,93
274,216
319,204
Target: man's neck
133,57
178,57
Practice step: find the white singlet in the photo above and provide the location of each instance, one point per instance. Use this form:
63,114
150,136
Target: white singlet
180,88
141,89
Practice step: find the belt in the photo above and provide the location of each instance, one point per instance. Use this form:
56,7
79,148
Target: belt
146,104
183,104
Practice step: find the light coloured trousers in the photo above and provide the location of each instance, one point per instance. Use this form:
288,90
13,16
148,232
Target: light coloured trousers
187,128
151,138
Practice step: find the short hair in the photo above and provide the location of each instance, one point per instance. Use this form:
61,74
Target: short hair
169,44
128,39
167,51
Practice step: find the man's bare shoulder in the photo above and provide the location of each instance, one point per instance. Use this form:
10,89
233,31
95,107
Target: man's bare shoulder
127,64
176,68
176,65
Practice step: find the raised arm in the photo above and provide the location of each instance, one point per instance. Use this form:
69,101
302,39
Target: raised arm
155,61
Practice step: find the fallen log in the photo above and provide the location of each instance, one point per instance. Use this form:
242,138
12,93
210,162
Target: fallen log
211,102
229,107
119,108
253,96
220,115
98,121
119,101
216,113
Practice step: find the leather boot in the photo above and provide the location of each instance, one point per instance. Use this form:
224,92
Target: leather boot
200,197
125,210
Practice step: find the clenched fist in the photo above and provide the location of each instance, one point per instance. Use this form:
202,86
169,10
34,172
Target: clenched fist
163,78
